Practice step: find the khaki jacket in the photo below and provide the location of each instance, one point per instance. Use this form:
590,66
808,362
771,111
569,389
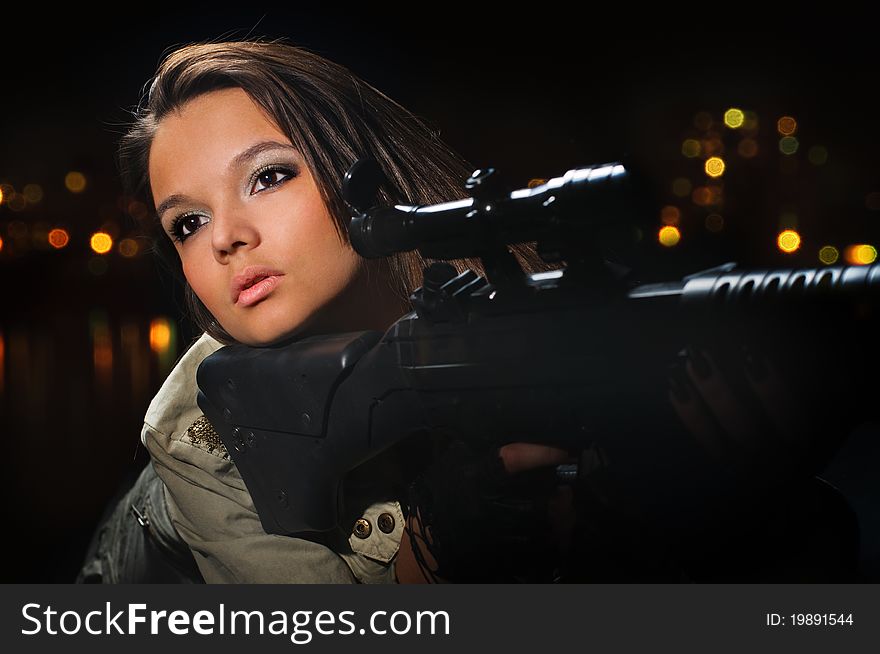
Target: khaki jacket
213,512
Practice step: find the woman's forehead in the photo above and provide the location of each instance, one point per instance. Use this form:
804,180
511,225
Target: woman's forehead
211,131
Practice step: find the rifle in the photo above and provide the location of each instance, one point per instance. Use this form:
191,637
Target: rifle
576,357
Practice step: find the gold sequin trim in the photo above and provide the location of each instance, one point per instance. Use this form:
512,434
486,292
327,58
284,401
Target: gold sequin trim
202,434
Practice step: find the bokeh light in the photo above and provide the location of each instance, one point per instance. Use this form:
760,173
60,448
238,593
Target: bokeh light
714,222
1,244
734,118
160,335
691,148
828,255
788,241
101,242
788,145
75,182
670,215
58,238
714,166
1,196
128,247
102,347
32,193
712,145
138,210
669,236
786,126
817,155
861,254
705,196
681,187
747,148
16,201
136,207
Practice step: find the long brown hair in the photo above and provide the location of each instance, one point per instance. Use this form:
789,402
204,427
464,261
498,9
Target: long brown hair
331,116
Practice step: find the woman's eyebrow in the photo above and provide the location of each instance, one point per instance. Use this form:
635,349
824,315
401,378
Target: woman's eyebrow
237,162
170,202
245,155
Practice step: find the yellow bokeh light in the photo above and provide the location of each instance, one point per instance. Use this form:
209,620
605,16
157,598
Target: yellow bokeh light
714,166
1,244
75,182
861,254
691,148
734,118
786,125
101,242
6,192
58,238
669,236
829,254
788,241
160,335
128,247
670,215
532,184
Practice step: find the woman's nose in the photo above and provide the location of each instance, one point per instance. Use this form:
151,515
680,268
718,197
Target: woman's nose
231,231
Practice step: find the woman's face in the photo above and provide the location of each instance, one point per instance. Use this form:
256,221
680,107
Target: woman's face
242,206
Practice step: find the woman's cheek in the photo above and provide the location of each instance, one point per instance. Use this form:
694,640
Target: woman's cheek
196,278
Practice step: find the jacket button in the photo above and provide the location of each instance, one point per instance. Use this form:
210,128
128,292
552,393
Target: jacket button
362,528
386,523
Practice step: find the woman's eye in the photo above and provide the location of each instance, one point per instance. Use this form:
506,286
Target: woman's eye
269,178
186,225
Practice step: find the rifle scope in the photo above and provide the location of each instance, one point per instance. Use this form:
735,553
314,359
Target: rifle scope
562,214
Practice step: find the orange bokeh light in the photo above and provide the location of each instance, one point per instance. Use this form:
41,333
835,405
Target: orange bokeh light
58,238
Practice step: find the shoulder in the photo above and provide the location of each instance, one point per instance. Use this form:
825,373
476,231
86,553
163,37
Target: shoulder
174,407
213,511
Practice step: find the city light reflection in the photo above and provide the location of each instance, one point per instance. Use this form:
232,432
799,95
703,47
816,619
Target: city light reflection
788,241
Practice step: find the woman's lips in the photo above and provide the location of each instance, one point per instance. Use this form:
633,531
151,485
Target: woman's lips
258,291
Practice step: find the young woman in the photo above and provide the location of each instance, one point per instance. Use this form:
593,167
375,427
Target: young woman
240,149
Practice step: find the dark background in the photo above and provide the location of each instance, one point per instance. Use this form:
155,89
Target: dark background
533,92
